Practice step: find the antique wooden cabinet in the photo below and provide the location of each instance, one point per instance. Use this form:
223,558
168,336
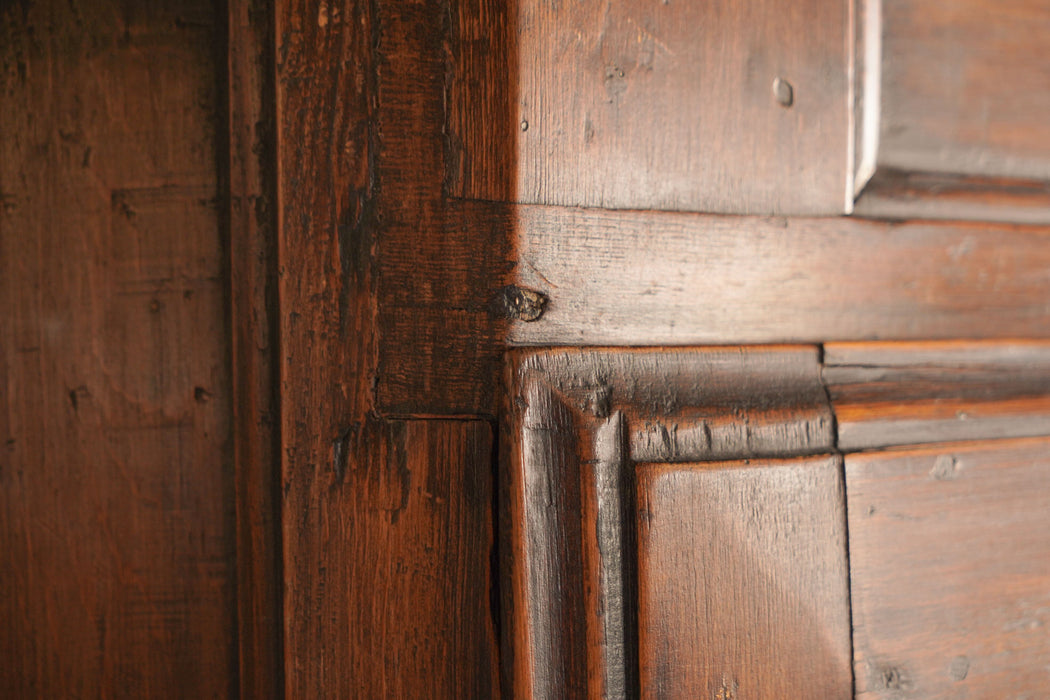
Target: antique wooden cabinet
525,348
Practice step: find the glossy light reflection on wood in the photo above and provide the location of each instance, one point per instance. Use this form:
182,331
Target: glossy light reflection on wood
742,583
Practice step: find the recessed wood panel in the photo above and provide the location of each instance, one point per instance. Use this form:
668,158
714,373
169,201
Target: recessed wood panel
704,106
742,582
950,570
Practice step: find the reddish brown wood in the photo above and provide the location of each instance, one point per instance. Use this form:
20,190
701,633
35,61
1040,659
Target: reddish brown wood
387,525
907,393
117,525
949,568
573,423
662,105
252,219
742,582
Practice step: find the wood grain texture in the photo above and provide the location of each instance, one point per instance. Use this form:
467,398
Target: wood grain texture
117,525
252,219
386,525
888,394
667,278
950,570
439,277
574,420
666,106
965,88
742,583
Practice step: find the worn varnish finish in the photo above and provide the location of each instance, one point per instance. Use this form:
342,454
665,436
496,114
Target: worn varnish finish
116,475
715,106
949,569
907,393
387,530
574,423
742,582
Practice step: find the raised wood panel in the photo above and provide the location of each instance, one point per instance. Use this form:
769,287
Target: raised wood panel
950,110
950,570
117,534
742,583
699,106
965,87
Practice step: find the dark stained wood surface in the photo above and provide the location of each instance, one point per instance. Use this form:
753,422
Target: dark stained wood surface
743,590
965,87
386,525
715,106
117,534
888,394
252,219
950,570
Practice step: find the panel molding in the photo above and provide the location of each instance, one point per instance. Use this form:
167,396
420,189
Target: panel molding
575,422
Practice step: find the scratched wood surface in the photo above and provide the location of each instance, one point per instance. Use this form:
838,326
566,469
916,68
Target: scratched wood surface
950,567
252,218
116,476
386,525
714,106
742,582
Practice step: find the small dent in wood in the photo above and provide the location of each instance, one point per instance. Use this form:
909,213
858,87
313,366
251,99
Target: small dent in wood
959,668
945,468
521,304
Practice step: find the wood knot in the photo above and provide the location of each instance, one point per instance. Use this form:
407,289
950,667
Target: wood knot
522,304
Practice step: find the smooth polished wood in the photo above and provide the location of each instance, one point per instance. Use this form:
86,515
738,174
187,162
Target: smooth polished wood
742,580
951,579
717,106
888,394
574,422
117,531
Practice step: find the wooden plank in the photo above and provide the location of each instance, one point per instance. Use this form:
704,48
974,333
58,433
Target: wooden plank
742,582
386,525
950,569
965,86
666,278
907,393
116,478
715,106
252,220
